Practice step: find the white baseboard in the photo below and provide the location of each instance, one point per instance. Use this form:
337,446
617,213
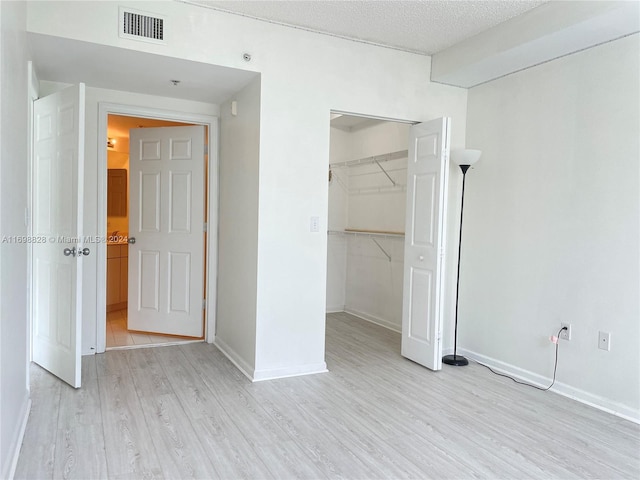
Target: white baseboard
266,374
373,319
285,372
335,309
601,403
9,470
233,356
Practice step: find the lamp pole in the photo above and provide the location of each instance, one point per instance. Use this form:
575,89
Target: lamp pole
458,360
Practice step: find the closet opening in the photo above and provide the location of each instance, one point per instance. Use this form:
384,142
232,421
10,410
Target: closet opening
366,219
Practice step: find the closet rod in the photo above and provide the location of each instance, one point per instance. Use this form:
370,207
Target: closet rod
375,159
367,233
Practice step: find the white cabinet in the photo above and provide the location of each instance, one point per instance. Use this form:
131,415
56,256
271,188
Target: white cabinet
117,276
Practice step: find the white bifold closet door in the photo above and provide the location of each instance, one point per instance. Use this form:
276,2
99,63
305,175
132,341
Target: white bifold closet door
423,295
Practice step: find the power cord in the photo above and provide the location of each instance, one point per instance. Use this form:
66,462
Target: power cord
555,368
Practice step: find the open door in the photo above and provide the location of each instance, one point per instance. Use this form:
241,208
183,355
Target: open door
427,177
166,230
58,158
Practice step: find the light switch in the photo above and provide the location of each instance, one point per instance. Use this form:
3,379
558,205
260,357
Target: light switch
314,224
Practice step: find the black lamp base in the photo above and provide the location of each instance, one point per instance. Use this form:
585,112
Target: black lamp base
457,360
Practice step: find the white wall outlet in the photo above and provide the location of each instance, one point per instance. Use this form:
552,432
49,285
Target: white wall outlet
604,341
314,224
565,334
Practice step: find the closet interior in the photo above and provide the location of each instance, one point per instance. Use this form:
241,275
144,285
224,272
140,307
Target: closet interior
366,220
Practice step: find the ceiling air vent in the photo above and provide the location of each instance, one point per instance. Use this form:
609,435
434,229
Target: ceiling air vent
143,26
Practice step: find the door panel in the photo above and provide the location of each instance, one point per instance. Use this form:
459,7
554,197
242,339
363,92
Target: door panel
179,276
422,310
166,266
423,203
58,150
422,285
149,280
149,202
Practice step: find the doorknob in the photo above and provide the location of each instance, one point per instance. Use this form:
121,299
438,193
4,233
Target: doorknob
421,258
132,240
69,251
85,251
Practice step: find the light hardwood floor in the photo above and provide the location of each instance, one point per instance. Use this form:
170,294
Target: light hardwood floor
186,412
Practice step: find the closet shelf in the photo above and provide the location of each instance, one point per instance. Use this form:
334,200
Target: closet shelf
375,159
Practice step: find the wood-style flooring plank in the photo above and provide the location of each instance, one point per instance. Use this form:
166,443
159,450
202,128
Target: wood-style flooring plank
80,451
230,389
231,454
128,444
39,443
187,412
334,456
147,373
180,453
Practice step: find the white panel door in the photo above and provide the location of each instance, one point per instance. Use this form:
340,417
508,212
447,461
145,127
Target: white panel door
166,262
422,309
58,157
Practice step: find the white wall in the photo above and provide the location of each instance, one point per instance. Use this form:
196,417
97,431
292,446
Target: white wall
238,227
304,77
13,257
552,223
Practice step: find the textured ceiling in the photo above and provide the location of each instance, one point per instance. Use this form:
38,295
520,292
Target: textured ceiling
421,26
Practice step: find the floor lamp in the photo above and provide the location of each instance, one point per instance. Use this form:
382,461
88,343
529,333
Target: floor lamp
464,159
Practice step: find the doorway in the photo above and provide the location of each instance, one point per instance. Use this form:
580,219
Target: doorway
119,333
388,189
366,220
114,256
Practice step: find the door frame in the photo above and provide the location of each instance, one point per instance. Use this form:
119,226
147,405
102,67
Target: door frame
451,244
211,247
33,94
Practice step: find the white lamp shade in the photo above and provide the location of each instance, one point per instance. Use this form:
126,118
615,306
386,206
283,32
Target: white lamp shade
465,156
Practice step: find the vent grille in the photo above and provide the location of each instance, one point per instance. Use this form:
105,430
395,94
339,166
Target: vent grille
145,26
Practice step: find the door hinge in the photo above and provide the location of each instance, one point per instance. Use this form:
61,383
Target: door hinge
204,303
206,149
204,227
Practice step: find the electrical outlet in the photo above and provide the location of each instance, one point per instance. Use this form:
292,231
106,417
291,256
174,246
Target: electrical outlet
604,341
565,334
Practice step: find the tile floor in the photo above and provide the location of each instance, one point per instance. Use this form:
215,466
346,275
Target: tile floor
119,337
